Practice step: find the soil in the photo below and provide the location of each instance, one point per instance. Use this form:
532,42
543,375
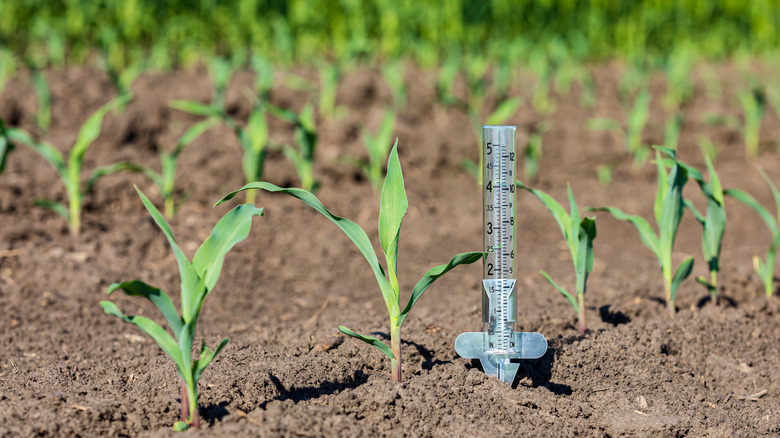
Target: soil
68,369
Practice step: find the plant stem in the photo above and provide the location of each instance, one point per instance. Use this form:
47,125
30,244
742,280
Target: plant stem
395,345
251,195
74,204
581,313
670,307
192,395
714,290
169,207
185,406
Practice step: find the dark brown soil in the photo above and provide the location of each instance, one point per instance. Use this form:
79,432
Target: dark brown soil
68,369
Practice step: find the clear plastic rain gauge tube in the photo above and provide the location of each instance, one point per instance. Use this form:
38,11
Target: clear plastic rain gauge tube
499,346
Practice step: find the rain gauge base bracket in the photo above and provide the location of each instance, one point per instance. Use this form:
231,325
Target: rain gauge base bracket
529,345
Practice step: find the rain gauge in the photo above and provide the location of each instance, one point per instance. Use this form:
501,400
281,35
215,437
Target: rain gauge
499,347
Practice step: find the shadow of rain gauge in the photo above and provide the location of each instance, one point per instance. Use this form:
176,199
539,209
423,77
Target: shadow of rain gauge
499,347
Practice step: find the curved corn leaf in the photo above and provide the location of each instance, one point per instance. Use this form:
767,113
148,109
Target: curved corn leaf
47,151
231,229
751,202
432,275
161,300
646,232
192,133
369,340
254,140
561,217
160,336
772,187
393,204
505,111
682,272
5,145
569,297
185,337
189,278
351,229
206,356
118,167
197,108
90,131
583,263
57,207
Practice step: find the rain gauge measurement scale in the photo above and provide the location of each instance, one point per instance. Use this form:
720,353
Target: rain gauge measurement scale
499,346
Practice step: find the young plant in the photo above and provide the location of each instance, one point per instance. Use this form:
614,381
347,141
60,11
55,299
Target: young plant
42,90
668,209
330,76
672,130
302,156
579,235
165,179
532,153
221,71
632,132
393,205
713,223
378,147
70,172
764,268
198,279
393,73
253,137
752,102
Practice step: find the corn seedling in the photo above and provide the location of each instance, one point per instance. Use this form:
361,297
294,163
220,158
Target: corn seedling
672,130
631,134
378,147
264,76
70,172
165,179
752,102
543,68
764,268
393,73
579,235
668,209
253,137
221,71
198,279
713,223
302,156
572,71
42,91
393,205
5,146
532,153
679,65
708,148
330,75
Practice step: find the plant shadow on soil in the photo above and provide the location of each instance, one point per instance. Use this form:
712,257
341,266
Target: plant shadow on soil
310,392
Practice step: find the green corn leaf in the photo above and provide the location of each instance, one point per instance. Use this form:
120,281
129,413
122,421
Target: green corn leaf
696,213
704,282
569,297
189,278
662,189
197,108
504,111
393,205
351,229
573,235
118,167
772,187
43,92
90,131
384,136
587,234
751,202
432,275
192,133
48,152
231,229
5,144
646,232
561,217
603,124
159,298
716,189
254,139
185,337
151,328
57,207
206,356
369,340
682,272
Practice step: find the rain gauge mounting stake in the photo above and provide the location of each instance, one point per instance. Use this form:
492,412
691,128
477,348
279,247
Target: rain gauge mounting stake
499,346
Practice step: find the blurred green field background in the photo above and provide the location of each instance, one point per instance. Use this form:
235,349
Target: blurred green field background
171,33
